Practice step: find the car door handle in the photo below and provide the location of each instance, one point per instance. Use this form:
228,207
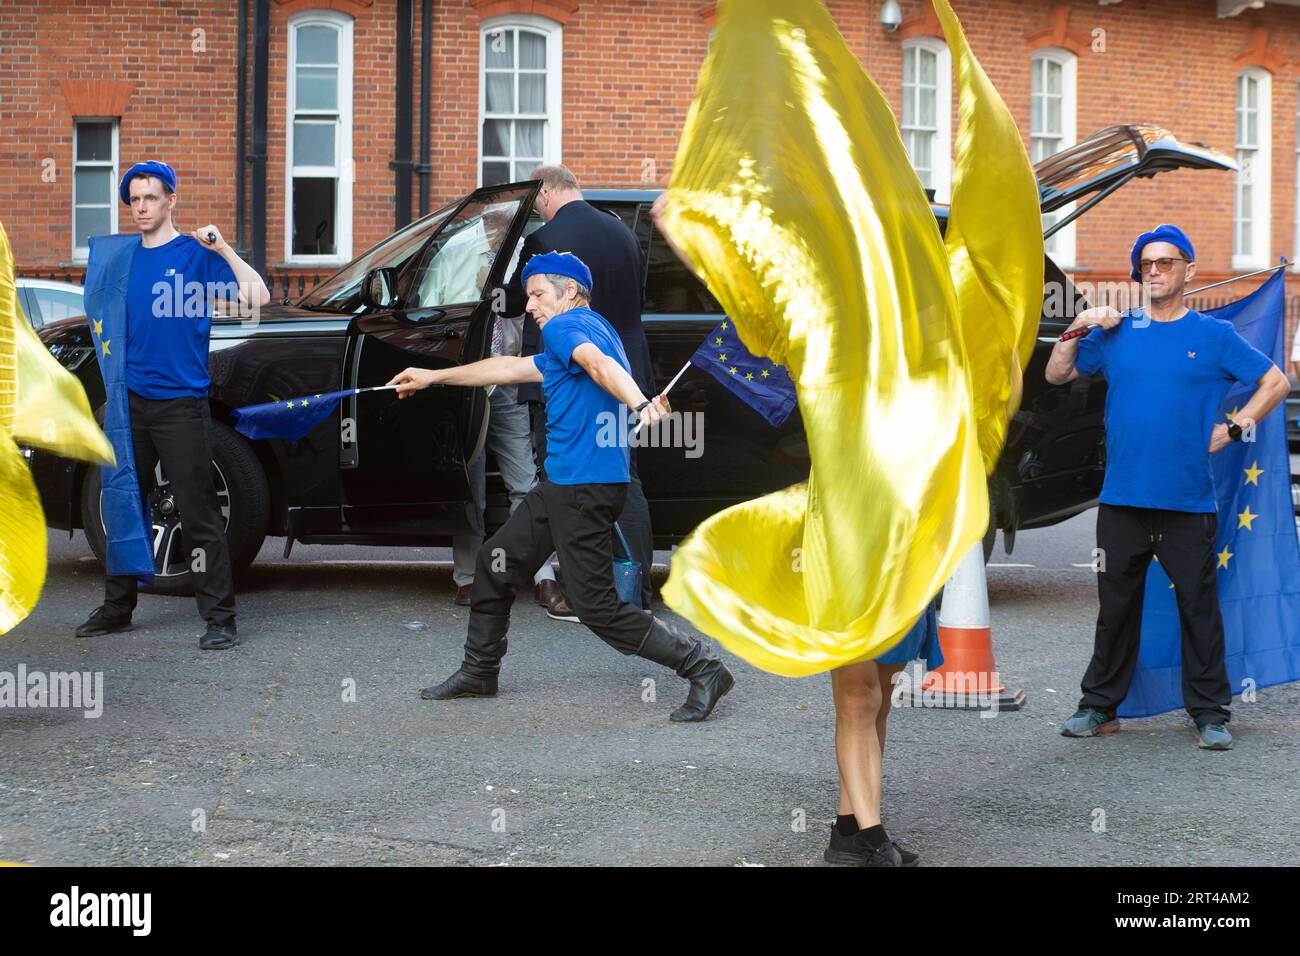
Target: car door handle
441,334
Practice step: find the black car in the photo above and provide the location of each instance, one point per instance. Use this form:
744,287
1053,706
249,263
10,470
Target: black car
385,472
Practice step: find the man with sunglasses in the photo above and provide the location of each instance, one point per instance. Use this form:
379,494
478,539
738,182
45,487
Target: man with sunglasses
1167,369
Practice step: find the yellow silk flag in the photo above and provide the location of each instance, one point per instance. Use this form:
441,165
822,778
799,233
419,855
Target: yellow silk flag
794,199
43,405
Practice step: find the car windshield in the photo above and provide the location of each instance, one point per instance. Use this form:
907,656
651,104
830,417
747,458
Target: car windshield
341,292
454,268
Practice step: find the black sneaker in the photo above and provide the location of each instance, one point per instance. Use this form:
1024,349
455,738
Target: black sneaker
218,637
103,622
856,851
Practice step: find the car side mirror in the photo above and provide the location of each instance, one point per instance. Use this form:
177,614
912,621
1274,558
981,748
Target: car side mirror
379,290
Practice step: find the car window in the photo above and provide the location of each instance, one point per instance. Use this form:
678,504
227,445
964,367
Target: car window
341,292
454,267
671,288
56,304
26,311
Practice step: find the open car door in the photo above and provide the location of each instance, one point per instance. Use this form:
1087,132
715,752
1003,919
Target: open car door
403,464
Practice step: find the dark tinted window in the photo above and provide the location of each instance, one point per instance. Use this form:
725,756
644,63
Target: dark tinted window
670,288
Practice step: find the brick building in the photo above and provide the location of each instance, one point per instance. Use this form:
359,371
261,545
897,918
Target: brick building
329,97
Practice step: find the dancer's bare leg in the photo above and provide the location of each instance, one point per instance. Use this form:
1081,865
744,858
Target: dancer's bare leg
887,672
857,692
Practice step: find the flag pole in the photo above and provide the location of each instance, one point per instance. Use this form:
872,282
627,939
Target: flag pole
637,430
1076,333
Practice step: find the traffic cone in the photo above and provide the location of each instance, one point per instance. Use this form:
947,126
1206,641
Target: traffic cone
969,676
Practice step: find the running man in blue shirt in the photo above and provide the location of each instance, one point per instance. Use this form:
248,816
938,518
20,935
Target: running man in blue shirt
589,387
1167,369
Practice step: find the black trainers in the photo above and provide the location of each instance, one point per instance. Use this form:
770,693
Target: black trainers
102,622
218,637
856,851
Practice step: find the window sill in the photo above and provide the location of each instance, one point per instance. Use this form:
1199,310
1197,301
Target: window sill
311,263
1244,264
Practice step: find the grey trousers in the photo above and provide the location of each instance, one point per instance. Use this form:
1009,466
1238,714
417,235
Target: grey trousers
510,439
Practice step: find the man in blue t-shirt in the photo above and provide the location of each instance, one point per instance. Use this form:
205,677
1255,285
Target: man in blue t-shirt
589,389
1167,369
173,282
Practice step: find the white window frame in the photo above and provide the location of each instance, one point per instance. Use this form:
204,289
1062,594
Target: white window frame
1295,257
82,253
941,156
1064,253
553,132
344,168
1261,195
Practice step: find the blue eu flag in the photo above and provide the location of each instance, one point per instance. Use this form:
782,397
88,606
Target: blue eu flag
289,419
758,382
1258,553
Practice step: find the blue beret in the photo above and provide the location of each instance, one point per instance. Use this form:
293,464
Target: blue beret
1162,233
559,264
148,168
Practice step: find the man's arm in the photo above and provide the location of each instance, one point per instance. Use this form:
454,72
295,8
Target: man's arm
1060,366
497,370
1273,388
251,285
613,378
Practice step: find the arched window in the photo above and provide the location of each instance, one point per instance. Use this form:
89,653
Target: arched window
927,112
1053,127
1250,220
318,147
519,97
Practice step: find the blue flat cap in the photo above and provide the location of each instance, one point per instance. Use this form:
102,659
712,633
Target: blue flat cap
559,264
1162,233
149,167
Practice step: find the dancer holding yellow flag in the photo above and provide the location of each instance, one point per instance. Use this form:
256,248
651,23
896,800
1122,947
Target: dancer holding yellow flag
813,231
42,405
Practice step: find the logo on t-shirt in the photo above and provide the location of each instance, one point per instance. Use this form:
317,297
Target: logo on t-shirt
170,272
1191,355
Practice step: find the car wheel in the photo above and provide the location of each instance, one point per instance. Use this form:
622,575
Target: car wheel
245,502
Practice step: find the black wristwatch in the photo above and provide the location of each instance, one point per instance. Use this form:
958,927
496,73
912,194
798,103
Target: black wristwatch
1234,431
642,405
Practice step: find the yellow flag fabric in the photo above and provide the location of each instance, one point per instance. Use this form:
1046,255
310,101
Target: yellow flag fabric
795,200
43,405
994,241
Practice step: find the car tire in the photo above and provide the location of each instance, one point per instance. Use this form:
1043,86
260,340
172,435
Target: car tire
245,503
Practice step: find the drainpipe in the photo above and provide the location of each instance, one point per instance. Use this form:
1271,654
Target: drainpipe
241,145
401,164
261,61
426,60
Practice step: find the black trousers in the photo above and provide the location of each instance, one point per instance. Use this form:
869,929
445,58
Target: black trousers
1184,544
634,521
576,522
175,432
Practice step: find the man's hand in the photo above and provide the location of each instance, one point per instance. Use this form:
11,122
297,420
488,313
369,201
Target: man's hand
657,209
1102,315
1219,438
656,411
411,380
219,245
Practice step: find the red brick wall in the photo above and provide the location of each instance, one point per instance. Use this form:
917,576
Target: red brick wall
629,72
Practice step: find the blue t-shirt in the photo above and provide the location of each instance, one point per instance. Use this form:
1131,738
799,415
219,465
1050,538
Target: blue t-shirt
1165,382
169,317
586,427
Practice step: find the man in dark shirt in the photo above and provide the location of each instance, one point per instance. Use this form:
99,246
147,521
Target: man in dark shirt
613,255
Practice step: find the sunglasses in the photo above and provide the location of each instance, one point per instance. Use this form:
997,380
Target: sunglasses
1162,265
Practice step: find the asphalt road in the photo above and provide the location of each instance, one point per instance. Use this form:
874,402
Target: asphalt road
254,756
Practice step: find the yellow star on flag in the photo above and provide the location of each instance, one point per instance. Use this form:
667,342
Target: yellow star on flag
99,328
724,326
303,403
290,404
1245,518
718,340
733,370
749,375
1253,473
1223,557
105,344
765,373
722,357
1232,414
